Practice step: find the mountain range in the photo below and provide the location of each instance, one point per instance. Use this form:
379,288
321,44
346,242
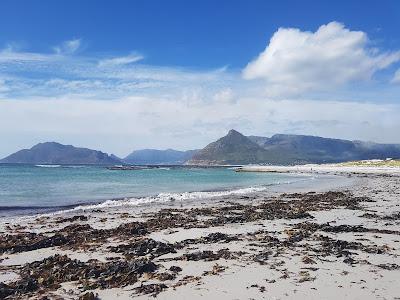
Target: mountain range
285,149
232,149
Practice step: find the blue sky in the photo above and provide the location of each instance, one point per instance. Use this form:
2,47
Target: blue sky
124,75
199,34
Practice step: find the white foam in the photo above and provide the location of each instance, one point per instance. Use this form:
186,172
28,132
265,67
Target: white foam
48,166
170,197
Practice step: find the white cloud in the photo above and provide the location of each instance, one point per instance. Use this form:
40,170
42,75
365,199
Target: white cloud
68,47
122,60
396,77
113,78
298,61
9,54
225,95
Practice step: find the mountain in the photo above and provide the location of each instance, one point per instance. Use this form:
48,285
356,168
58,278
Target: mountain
310,148
55,153
159,157
235,148
322,150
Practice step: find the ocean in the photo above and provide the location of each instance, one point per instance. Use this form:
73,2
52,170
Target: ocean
27,189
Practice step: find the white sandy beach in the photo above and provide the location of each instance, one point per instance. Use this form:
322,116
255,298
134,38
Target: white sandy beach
349,251
324,169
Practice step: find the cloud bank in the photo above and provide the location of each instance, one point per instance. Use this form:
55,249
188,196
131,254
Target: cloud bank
136,122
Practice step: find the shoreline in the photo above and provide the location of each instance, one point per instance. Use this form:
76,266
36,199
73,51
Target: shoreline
21,211
279,243
55,189
323,169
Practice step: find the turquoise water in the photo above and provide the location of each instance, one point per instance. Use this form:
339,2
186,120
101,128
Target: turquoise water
27,188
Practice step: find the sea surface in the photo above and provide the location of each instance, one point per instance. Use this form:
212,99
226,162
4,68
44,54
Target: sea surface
27,189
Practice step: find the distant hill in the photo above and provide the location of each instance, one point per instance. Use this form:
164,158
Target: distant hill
235,148
159,157
55,153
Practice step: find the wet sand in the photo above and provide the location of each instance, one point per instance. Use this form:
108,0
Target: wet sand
333,237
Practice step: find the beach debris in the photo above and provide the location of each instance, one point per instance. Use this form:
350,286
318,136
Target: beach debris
5,290
208,255
310,242
50,272
175,269
392,217
164,276
186,280
389,266
261,288
307,260
154,289
305,276
144,247
170,218
29,241
72,219
341,248
132,228
89,296
217,269
262,257
212,238
219,237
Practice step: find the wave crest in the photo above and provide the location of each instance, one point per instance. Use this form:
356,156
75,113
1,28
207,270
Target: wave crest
170,197
48,166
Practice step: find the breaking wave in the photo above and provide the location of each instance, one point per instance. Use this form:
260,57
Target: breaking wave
170,197
138,201
48,166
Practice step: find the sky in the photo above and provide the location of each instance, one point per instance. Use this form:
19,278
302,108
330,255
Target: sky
123,75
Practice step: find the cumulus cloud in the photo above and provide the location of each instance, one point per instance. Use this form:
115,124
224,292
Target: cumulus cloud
298,61
68,47
122,60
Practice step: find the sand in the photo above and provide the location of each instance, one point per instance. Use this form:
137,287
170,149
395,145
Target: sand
344,243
